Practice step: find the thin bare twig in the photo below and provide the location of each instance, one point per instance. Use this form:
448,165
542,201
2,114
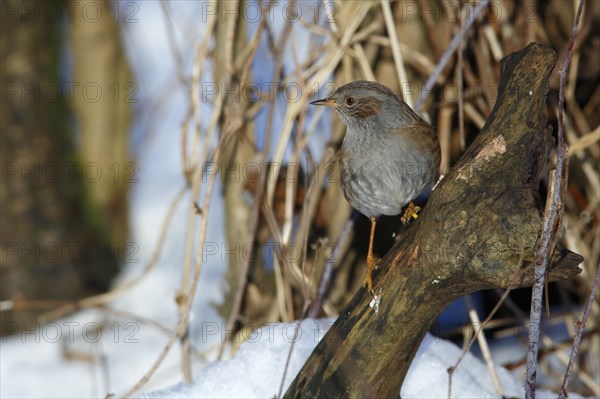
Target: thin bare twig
289,355
173,44
551,218
396,53
460,83
483,345
196,111
340,248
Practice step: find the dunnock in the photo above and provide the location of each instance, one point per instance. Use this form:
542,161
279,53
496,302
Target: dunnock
389,154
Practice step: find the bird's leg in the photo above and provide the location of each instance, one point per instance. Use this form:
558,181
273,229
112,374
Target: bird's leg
411,212
371,264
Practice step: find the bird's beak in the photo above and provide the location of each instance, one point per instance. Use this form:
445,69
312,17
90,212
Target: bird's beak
328,102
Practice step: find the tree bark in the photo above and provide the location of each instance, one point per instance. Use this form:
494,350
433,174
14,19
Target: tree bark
478,231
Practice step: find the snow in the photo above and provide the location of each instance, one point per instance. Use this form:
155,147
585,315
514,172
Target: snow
257,368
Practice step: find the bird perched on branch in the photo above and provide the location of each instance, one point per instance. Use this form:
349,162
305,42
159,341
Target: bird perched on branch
388,157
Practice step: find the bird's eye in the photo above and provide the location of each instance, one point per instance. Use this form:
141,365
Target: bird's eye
350,101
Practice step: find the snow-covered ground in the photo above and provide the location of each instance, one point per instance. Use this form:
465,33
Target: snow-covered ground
114,363
258,367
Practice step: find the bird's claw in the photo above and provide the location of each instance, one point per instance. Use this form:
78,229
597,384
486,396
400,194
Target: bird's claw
411,211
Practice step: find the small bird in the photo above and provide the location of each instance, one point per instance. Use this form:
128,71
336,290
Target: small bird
388,157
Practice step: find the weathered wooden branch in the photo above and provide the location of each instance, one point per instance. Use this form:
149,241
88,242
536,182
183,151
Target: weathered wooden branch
478,230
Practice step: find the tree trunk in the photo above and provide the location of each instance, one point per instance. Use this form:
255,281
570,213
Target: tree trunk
103,110
64,225
478,230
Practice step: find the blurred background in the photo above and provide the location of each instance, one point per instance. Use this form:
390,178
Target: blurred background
160,165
